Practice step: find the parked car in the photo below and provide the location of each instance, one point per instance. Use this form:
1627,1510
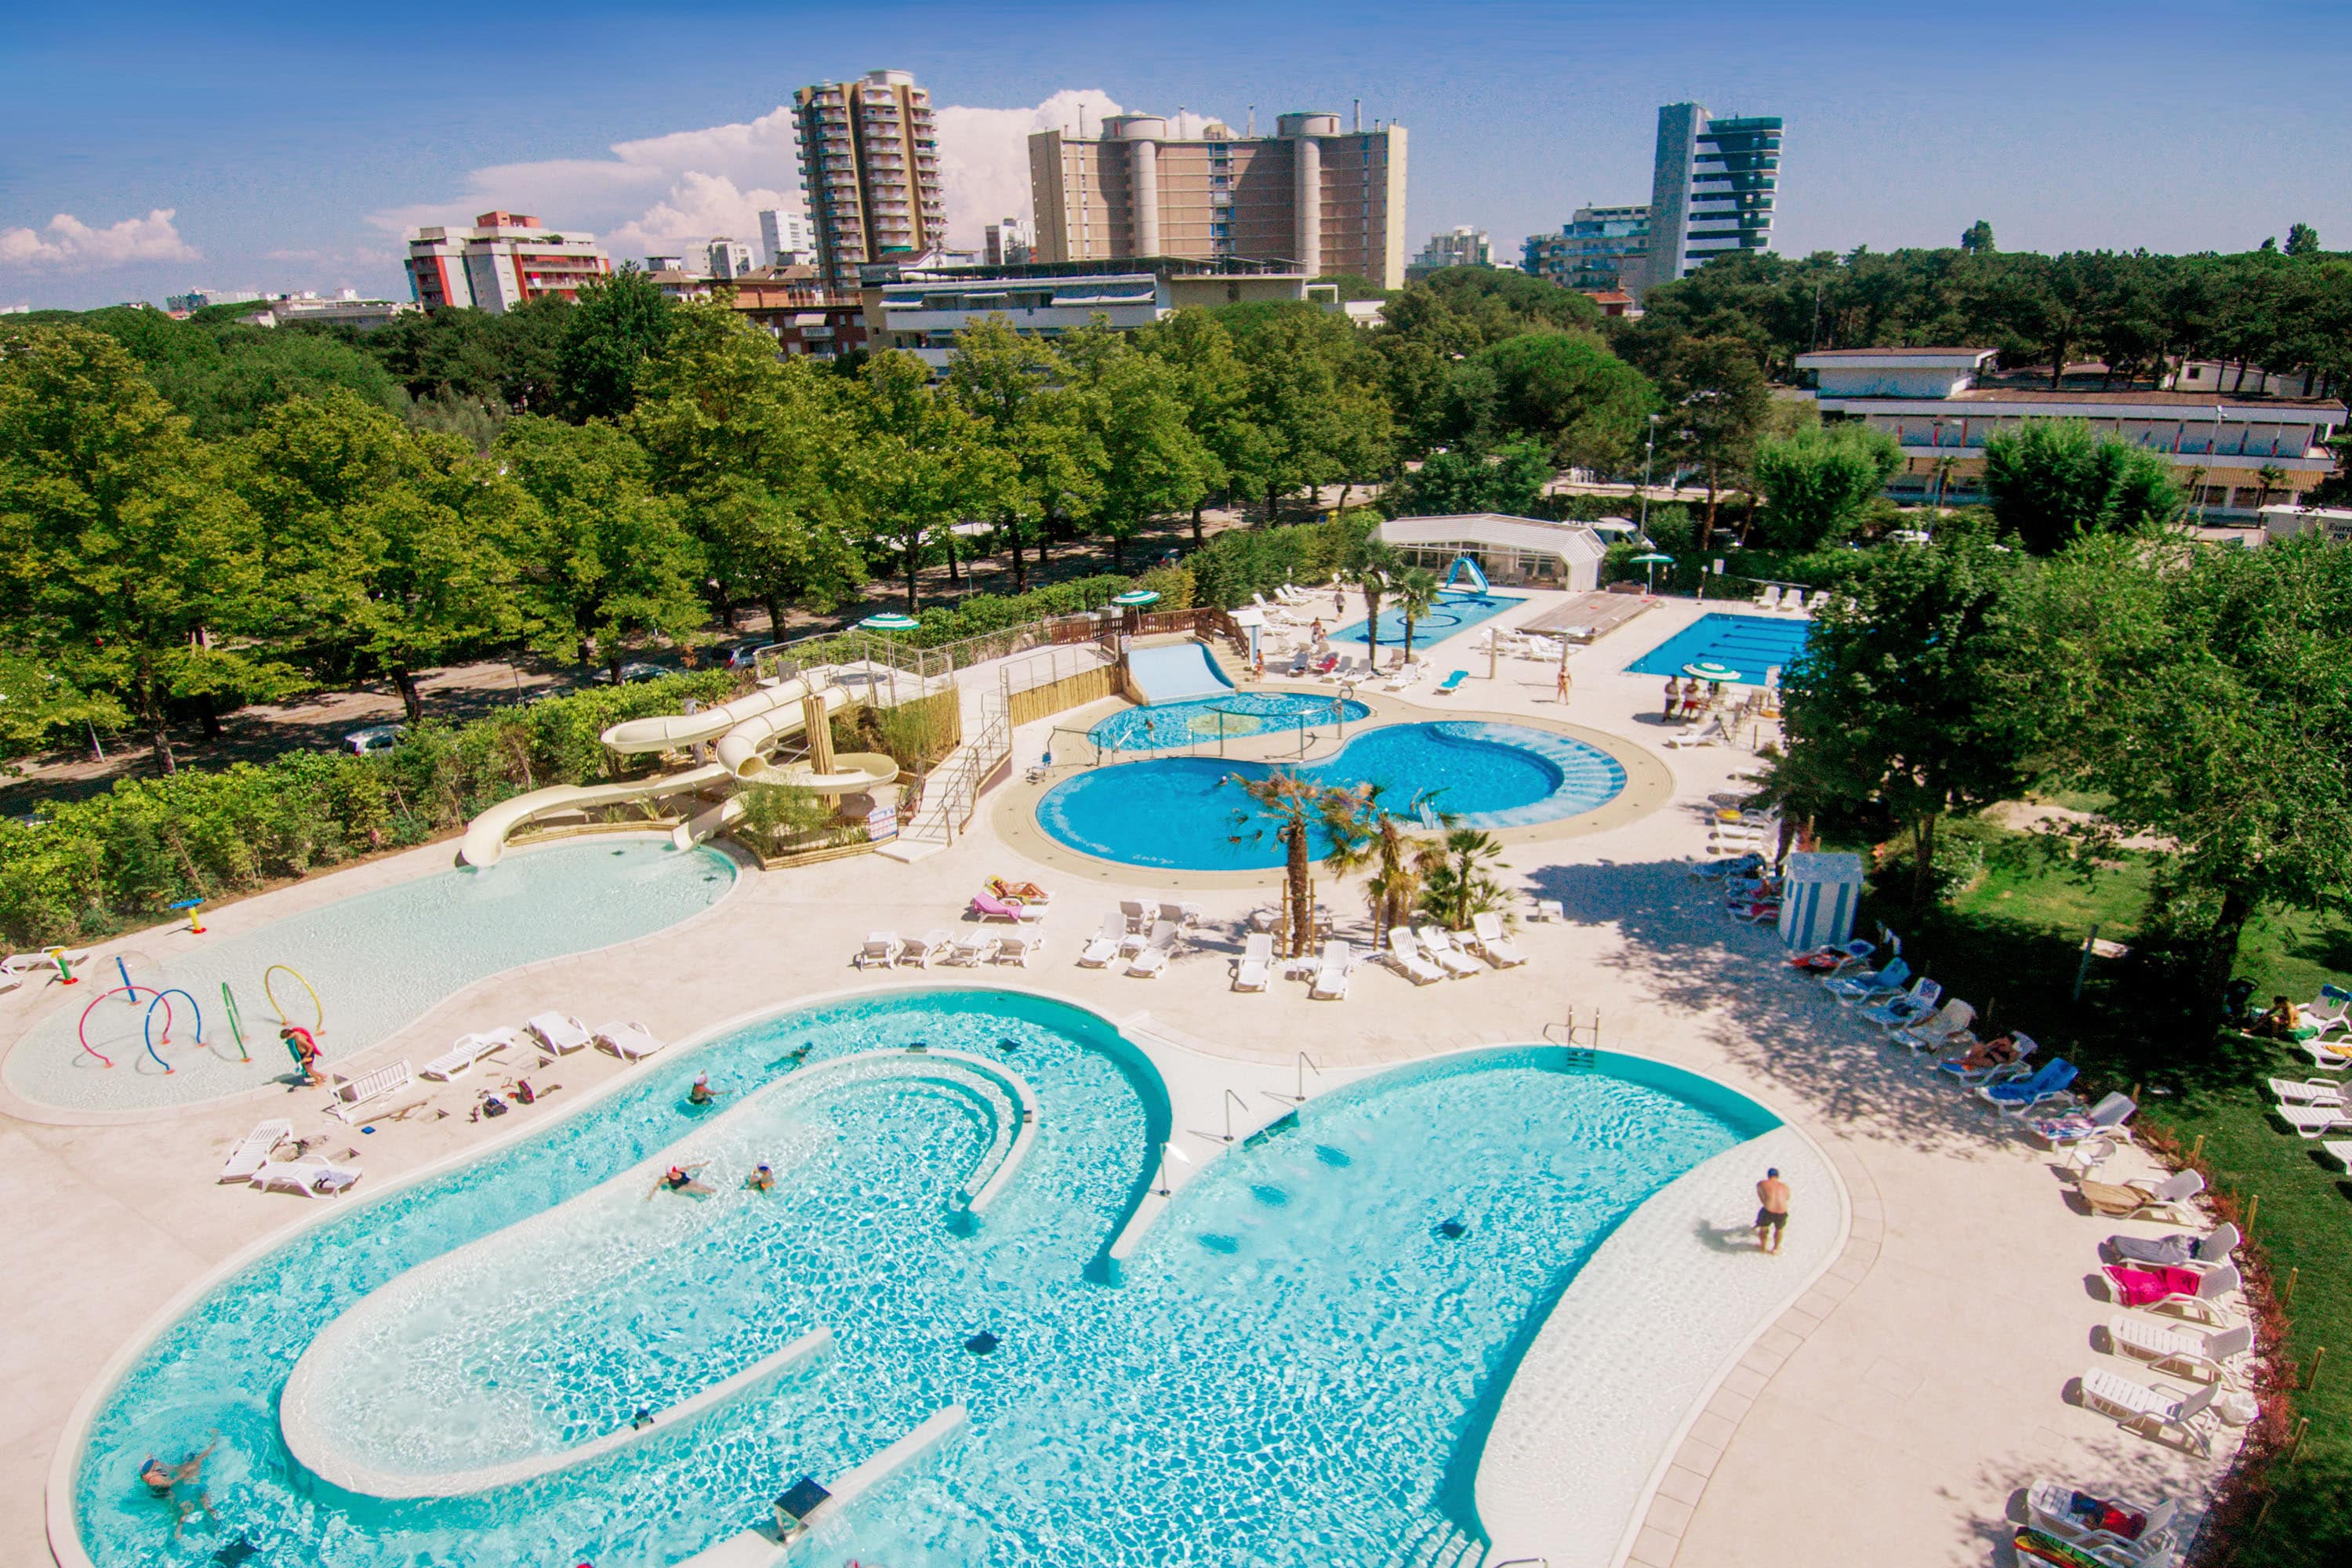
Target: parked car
632,673
741,656
374,738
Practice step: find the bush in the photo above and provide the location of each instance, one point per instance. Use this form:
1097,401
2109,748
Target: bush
1816,483
1241,561
985,612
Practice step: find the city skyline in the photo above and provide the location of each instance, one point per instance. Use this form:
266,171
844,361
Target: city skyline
164,155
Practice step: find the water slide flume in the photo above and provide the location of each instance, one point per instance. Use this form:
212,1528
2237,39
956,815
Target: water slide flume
743,733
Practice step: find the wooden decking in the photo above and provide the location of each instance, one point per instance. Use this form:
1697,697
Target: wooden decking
1587,618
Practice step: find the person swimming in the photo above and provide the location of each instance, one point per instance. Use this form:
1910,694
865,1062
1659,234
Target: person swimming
165,1483
702,1093
686,1179
762,1179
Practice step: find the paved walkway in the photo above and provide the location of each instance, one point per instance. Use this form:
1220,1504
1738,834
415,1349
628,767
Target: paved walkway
1889,1416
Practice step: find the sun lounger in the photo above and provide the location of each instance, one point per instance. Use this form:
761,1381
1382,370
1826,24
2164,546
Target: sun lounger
1738,866
1138,914
2308,1091
2184,1353
31,963
459,1058
2196,1293
1405,958
881,950
1976,1077
252,1151
1906,1006
354,1096
1769,597
970,952
1939,1030
2105,1527
1152,962
2317,1120
1255,968
1853,990
2155,1411
1549,909
1447,687
923,951
1438,943
2341,1151
985,906
1331,975
2180,1251
630,1041
2105,1118
312,1178
1185,915
1013,892
1487,935
2328,1055
1019,948
2145,1199
560,1033
2018,1096
1106,943
1713,734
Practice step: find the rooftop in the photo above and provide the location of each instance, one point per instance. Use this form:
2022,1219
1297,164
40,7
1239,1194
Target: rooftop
1495,528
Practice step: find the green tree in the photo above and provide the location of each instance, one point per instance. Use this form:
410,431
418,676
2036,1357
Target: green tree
225,376
617,325
2208,693
1564,389
130,568
1373,567
605,559
1215,387
1899,703
1457,878
1978,240
1153,463
1509,478
1814,483
922,463
1018,389
1296,811
2053,480
1717,407
2301,239
1316,397
1416,594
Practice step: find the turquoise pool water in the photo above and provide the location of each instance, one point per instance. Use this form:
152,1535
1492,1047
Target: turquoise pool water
1298,1368
1161,725
1456,611
377,959
1179,812
1748,643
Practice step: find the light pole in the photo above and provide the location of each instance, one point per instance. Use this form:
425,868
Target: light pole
1649,450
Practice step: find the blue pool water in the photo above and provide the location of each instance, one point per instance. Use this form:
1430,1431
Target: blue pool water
1748,643
1456,611
1296,1368
1161,725
1179,812
377,961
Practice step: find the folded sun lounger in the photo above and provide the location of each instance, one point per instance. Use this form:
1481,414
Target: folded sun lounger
355,1096
880,950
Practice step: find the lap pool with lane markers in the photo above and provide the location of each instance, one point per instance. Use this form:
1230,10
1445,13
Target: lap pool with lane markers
1748,643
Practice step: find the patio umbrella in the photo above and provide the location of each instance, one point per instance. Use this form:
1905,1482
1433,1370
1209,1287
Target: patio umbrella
1709,669
1137,598
1652,560
888,623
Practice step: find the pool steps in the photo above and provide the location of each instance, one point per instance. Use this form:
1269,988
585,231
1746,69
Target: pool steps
761,1549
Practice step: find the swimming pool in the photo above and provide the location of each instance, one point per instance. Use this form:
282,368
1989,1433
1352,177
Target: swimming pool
1298,1367
1161,725
378,960
1748,643
1456,611
1178,812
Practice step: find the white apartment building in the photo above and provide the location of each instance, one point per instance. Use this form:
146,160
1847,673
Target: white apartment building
503,261
729,257
784,239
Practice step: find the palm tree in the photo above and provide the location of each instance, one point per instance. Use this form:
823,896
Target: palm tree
1416,591
1944,467
1370,567
1458,880
1299,806
1395,858
2270,476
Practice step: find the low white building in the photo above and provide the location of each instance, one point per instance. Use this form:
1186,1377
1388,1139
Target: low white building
921,308
1512,552
2286,521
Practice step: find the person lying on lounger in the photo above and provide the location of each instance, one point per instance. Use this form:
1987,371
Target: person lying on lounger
1995,1053
684,1179
2282,1022
1015,891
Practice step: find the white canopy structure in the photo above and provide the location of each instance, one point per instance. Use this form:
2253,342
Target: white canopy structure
1513,551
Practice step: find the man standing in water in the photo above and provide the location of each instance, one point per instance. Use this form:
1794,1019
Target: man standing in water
1772,1211
164,1482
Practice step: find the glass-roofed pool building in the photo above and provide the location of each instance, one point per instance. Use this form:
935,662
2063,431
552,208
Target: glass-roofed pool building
1513,551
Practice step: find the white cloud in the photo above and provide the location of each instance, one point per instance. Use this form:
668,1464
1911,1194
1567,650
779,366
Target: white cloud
68,241
671,192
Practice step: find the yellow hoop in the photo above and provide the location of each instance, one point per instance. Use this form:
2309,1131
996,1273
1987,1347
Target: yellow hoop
321,1007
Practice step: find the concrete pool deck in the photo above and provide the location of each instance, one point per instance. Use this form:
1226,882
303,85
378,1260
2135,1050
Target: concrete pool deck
1890,1414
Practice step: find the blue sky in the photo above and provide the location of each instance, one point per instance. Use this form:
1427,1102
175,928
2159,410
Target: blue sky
292,147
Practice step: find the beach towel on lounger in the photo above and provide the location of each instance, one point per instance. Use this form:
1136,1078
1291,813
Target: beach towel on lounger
2145,1286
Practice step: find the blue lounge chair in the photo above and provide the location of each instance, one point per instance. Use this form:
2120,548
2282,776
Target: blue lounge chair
1445,688
1851,989
2021,1095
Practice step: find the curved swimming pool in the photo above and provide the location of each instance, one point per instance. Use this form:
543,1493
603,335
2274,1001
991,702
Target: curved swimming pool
1296,1369
1189,813
1159,726
377,961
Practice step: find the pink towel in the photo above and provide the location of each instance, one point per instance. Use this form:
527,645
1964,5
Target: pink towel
2145,1287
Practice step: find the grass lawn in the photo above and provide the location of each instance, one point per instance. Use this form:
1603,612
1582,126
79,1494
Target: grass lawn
2013,941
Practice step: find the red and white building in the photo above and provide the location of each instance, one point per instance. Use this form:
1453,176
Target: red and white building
506,259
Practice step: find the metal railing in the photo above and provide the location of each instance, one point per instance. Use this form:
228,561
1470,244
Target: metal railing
1068,742
950,794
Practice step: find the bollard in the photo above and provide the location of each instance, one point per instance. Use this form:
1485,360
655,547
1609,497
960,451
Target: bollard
2287,1294
2294,1449
2311,1377
2253,1205
2261,1514
2197,1150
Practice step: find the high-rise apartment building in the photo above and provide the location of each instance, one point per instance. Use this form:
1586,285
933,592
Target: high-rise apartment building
1326,199
504,260
1463,247
784,239
1598,250
869,160
1009,243
729,257
1712,190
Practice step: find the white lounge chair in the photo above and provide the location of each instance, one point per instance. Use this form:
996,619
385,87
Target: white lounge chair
1936,1032
2050,1506
459,1058
2209,1303
1106,943
2183,1352
559,1032
355,1096
2308,1091
1439,944
2154,1411
2328,1055
1255,968
630,1041
1853,990
1331,975
2317,1120
881,950
1019,948
1906,1007
43,963
253,1150
1138,914
1486,933
312,1178
1713,734
970,952
2144,1199
1152,962
922,951
1549,909
1185,915
2341,1151
1769,599
1405,957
